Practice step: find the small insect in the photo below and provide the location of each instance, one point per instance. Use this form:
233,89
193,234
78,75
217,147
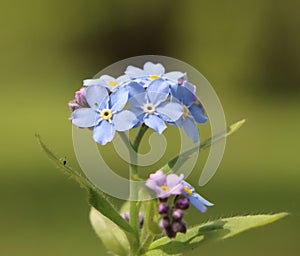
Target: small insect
63,161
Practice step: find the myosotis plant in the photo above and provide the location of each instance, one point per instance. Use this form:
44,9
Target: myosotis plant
149,99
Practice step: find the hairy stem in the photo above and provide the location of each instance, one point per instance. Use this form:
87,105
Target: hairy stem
133,174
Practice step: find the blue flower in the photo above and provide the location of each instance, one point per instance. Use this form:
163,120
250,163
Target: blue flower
195,199
152,107
107,81
193,110
103,113
153,71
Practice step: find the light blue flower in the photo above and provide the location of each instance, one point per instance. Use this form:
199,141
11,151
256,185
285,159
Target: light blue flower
152,106
193,111
153,71
103,113
107,81
195,199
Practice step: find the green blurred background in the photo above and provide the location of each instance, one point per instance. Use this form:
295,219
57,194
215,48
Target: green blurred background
248,50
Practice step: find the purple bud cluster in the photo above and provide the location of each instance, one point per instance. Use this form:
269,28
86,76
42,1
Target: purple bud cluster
171,222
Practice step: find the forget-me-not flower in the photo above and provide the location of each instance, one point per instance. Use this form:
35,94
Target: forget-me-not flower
102,113
193,112
152,107
195,199
153,71
107,81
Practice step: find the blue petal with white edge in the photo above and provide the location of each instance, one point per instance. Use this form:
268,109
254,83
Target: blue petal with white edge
95,95
154,69
134,71
134,88
195,199
197,112
104,132
191,128
84,117
174,75
185,96
170,110
96,81
125,120
156,123
118,100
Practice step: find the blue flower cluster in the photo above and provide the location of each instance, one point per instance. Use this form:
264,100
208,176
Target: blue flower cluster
141,96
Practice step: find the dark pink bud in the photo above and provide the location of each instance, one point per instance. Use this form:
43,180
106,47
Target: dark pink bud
178,226
125,216
164,223
177,214
80,97
163,208
170,233
182,203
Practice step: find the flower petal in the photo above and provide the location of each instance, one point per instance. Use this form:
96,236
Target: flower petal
84,117
189,86
134,71
199,202
191,128
138,100
156,123
197,112
135,88
159,177
185,96
95,95
154,69
122,79
107,78
104,132
173,180
174,75
97,81
170,111
124,120
118,100
159,85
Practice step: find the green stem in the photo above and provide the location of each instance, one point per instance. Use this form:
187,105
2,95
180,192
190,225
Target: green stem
133,174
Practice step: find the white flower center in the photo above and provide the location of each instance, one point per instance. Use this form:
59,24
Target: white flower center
149,108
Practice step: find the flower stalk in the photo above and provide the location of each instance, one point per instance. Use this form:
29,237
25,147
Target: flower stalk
133,174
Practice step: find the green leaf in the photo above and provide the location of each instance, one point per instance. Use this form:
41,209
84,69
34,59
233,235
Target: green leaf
211,231
185,155
111,235
62,165
96,197
98,200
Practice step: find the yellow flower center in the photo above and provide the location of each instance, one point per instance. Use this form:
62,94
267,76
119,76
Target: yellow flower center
165,188
185,111
188,190
106,114
112,83
153,77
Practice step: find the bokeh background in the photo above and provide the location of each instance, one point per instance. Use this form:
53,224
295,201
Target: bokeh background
248,50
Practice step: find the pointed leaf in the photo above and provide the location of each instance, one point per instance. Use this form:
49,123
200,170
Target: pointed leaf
96,197
185,155
111,235
211,231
